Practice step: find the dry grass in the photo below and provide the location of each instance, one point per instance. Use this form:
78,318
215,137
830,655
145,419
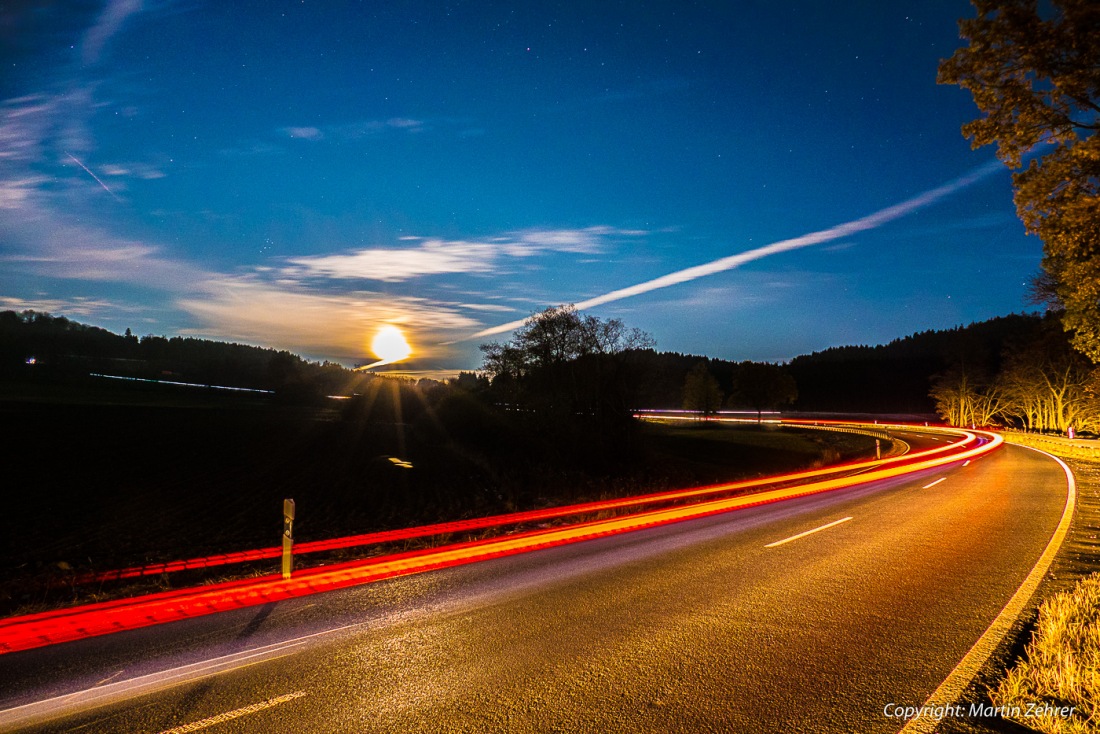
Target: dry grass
1062,666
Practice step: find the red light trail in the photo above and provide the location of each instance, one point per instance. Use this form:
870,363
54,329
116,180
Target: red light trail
46,628
517,518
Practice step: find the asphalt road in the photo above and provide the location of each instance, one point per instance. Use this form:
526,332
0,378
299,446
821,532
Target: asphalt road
706,625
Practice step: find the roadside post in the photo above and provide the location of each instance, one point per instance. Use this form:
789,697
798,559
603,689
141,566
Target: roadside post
288,537
878,448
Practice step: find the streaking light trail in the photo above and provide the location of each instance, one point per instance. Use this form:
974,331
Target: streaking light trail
46,628
864,224
964,440
89,172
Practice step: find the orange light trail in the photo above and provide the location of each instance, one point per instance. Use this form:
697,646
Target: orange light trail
46,628
515,518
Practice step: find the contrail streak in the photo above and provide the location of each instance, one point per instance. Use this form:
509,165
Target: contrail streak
112,193
379,363
871,221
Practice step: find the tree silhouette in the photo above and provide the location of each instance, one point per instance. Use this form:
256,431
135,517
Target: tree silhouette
1036,80
701,391
564,363
1043,385
762,386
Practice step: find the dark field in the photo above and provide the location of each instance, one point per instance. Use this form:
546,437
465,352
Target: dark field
160,476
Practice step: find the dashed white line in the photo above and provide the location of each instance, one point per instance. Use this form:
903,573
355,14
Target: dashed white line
102,695
966,463
933,484
808,532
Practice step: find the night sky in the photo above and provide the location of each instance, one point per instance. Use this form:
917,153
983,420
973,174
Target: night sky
299,174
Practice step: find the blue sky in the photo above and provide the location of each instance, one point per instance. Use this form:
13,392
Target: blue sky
299,174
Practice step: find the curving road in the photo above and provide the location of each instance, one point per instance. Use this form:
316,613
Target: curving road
740,622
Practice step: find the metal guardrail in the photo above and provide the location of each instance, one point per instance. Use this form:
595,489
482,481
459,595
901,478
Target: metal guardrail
897,446
868,431
1067,447
878,431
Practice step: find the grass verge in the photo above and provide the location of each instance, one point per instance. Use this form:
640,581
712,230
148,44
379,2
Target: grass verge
1062,666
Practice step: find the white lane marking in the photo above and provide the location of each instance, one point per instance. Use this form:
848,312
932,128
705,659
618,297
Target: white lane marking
966,463
959,678
808,532
235,714
933,484
95,697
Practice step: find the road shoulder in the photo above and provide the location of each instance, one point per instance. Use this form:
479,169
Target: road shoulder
1078,557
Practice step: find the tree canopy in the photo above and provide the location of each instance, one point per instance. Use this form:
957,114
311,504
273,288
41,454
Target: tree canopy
701,391
1042,385
562,361
762,386
1036,79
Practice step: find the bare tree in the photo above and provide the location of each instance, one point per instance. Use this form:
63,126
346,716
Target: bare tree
964,400
1048,388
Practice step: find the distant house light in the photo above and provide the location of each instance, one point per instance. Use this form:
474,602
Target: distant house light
32,360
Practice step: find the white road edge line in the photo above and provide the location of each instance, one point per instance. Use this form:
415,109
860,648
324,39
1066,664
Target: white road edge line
933,484
234,714
959,678
808,532
966,463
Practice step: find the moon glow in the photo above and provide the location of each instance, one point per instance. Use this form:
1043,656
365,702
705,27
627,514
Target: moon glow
390,345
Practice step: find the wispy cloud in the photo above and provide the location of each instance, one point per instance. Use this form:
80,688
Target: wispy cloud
304,133
23,125
77,306
48,186
437,257
353,130
261,312
492,307
15,193
107,25
590,240
55,245
433,257
132,170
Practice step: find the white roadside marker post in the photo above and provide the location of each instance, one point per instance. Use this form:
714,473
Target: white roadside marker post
288,537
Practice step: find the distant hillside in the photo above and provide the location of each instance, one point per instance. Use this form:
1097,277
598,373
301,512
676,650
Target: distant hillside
38,346
890,378
895,377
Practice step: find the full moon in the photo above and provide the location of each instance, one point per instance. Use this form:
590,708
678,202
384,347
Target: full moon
390,345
